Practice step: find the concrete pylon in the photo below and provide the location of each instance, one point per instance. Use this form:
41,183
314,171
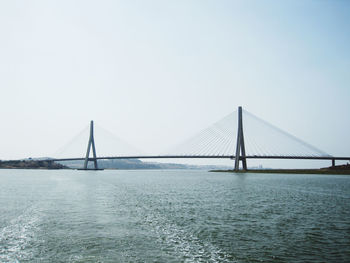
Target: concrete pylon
91,143
240,149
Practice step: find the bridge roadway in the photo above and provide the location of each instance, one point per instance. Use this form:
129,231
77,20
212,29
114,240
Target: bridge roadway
333,158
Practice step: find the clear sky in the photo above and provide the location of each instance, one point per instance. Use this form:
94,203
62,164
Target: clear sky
155,72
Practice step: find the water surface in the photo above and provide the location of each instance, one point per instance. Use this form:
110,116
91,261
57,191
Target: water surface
172,216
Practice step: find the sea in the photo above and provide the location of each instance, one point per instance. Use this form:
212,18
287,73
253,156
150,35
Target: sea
173,216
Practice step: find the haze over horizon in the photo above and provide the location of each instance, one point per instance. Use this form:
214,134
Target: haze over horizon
156,72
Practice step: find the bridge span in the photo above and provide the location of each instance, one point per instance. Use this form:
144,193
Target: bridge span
232,157
206,147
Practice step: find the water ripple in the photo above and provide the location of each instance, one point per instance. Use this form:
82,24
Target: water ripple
18,238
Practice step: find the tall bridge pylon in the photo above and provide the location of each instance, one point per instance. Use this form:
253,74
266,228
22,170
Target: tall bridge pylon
91,143
240,148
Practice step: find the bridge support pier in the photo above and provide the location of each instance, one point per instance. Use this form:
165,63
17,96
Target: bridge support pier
333,162
240,148
91,143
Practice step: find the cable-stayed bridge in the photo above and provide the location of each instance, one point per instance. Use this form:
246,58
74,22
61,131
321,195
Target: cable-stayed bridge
238,136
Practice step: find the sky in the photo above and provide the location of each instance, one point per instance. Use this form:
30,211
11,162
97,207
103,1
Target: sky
156,72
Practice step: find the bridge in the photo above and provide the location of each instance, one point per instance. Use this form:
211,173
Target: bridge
226,139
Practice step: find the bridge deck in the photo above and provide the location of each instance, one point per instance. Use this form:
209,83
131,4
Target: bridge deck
205,157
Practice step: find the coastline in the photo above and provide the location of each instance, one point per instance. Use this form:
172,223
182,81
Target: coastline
340,169
31,164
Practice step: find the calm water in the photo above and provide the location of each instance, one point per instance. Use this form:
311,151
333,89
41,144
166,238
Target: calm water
172,216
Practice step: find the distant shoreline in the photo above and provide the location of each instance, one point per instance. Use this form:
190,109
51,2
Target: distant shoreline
31,164
340,169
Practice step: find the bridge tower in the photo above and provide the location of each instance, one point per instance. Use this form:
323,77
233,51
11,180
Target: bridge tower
240,149
91,143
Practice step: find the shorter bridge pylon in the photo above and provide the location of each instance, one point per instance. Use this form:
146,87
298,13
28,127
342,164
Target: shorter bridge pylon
91,143
240,148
